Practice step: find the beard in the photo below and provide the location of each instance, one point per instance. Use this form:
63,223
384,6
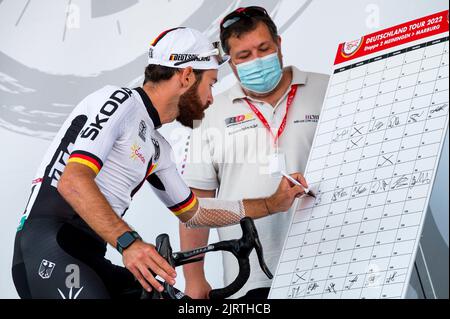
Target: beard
190,107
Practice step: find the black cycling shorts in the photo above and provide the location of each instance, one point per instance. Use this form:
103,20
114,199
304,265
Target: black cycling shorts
55,260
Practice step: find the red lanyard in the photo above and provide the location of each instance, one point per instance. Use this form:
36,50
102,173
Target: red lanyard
263,120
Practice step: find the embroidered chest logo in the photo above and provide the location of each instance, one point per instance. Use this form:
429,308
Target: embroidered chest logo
309,118
239,119
157,149
136,153
142,130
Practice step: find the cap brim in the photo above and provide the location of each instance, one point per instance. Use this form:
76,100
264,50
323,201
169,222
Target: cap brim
224,60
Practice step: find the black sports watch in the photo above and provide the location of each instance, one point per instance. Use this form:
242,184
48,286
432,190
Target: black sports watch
126,239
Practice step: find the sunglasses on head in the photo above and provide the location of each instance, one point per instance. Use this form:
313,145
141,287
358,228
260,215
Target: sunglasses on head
239,13
217,53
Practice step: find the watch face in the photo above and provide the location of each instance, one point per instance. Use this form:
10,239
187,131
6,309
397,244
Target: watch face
126,240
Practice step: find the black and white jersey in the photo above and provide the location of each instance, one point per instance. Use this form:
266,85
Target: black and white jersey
113,131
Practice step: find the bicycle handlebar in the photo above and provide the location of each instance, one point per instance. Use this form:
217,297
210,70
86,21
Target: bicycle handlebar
240,248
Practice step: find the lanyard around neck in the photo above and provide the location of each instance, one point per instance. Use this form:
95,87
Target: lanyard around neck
263,120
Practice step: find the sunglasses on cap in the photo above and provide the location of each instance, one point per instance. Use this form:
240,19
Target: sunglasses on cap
239,13
217,53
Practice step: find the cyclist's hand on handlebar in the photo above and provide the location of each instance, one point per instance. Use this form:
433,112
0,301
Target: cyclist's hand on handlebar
286,193
140,258
198,289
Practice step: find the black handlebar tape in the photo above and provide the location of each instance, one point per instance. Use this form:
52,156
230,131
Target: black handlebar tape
236,285
164,248
241,249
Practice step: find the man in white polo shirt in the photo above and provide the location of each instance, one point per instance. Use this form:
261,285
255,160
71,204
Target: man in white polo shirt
264,124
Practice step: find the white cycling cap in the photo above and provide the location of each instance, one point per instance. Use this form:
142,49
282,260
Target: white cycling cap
182,47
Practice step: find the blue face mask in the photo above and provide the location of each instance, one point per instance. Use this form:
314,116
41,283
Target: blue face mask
260,75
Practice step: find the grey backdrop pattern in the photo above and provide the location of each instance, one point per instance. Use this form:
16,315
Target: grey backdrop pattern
28,108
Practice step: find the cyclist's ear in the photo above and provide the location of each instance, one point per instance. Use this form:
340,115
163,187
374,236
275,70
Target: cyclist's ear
187,78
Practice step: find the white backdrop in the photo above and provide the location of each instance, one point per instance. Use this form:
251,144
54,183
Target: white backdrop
53,53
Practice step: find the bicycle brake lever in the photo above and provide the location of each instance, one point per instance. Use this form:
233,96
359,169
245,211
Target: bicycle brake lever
250,226
165,250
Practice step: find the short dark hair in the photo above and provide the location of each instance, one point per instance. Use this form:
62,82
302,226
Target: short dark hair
246,25
157,73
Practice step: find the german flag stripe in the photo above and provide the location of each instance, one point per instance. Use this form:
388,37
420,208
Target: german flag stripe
87,159
162,35
151,170
185,205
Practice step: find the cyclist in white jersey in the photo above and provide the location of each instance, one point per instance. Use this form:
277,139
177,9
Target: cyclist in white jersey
104,152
